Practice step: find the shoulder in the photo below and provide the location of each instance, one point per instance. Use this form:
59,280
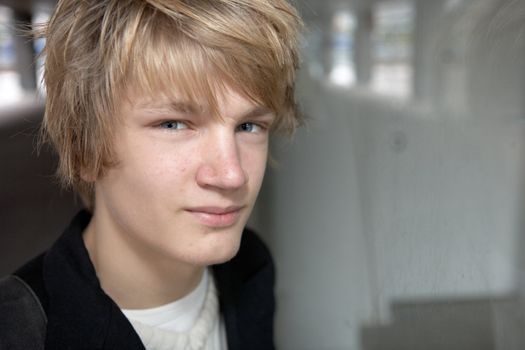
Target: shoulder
25,326
32,274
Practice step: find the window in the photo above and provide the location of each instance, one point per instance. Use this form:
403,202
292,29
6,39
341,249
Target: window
392,46
342,70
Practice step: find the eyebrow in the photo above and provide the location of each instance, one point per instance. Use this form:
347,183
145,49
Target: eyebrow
256,112
192,109
174,106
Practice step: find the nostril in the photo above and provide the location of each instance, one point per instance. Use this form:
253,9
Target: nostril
225,175
221,163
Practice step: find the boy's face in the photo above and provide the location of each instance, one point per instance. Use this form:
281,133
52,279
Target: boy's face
185,182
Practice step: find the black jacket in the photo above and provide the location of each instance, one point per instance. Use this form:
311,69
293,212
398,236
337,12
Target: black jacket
81,316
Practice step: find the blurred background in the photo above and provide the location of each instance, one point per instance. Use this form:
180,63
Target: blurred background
394,215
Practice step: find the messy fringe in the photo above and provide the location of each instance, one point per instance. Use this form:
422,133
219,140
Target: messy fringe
98,53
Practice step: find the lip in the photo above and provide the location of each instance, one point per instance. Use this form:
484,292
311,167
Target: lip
216,216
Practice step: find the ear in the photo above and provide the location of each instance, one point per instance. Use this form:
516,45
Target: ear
88,175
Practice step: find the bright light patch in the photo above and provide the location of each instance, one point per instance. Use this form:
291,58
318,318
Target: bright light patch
342,70
392,37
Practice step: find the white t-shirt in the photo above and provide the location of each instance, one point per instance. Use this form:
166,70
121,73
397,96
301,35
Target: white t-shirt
177,317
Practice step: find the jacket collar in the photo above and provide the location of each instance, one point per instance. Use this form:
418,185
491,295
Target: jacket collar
80,314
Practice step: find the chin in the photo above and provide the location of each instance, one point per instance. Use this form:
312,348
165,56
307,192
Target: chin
217,252
224,254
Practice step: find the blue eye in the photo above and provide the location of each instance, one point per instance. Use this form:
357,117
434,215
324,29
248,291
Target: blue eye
173,125
249,127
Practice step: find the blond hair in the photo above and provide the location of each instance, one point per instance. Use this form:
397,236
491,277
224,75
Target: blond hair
98,50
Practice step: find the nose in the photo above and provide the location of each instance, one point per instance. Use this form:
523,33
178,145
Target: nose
222,164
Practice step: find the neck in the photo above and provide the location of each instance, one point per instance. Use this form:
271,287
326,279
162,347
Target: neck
132,277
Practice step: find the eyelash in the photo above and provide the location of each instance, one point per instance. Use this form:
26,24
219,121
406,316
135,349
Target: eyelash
171,125
164,125
262,128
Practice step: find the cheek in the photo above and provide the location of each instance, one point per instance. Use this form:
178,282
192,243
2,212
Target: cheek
254,161
152,169
165,176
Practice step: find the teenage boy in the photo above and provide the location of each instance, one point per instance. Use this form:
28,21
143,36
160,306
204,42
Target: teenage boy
161,112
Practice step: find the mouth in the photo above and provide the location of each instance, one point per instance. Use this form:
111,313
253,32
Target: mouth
216,216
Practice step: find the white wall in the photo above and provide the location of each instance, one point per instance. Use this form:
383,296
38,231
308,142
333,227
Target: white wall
322,277
378,201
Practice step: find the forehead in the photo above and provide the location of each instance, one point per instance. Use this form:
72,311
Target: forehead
229,103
